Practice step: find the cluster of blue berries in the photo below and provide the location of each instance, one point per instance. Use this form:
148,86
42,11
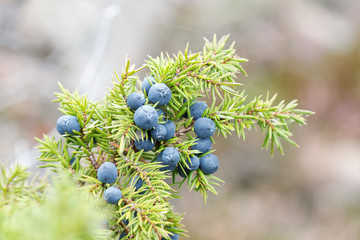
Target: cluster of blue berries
108,173
68,124
146,117
204,129
153,126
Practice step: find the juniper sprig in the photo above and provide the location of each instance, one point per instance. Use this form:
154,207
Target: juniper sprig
108,133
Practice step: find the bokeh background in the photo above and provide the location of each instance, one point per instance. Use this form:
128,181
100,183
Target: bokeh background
304,49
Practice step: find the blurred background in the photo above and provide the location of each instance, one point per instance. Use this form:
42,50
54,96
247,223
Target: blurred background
304,49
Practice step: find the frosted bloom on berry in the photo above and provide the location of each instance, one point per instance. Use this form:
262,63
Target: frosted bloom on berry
159,132
203,145
112,195
107,173
135,100
67,124
204,127
159,93
166,167
197,109
146,117
209,164
170,156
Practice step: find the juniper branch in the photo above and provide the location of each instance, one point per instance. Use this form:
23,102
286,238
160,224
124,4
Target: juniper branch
211,73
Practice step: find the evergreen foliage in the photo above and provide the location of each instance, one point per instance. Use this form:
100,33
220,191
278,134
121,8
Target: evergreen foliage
34,210
108,134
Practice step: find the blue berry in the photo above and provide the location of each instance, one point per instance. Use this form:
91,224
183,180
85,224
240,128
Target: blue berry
72,161
112,195
160,112
67,124
146,117
159,132
209,164
107,173
170,129
170,156
183,172
195,163
174,236
203,145
122,236
204,127
197,109
159,93
147,83
135,100
137,182
159,157
144,143
126,221
166,167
